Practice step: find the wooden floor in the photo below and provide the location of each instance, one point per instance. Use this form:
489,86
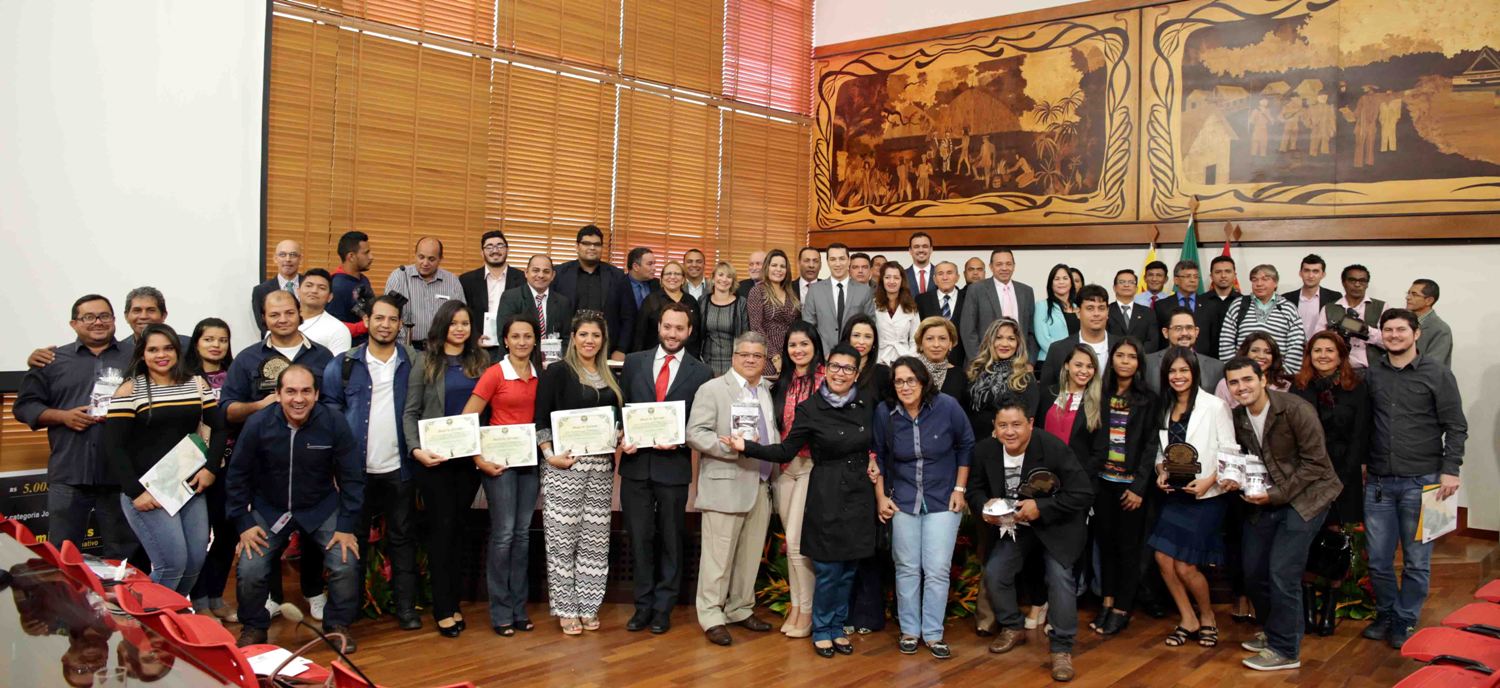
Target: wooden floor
682,657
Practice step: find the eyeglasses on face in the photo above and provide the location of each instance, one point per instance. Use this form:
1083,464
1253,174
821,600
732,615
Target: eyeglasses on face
91,318
906,382
840,368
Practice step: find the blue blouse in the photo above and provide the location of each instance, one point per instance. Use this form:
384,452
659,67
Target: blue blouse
457,387
922,456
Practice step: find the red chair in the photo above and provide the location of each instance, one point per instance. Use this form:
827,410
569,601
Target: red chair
153,596
1447,676
47,552
17,530
1441,645
1490,592
344,677
213,651
71,563
1477,614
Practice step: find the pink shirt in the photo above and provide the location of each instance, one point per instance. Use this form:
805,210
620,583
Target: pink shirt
1359,356
1007,293
1312,315
1059,421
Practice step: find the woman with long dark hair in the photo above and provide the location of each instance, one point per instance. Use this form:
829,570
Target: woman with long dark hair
1261,348
671,291
1069,409
861,333
799,379
442,380
895,314
1331,385
208,356
1120,482
1078,282
773,304
1055,317
157,407
576,490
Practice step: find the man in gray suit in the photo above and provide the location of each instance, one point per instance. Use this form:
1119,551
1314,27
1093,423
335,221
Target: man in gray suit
733,493
987,300
1182,330
832,302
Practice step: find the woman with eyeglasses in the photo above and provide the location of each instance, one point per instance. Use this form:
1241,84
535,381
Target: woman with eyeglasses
672,278
799,380
724,316
1120,483
838,528
208,356
773,305
923,442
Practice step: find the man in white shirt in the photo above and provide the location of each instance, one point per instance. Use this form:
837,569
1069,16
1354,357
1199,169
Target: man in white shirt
809,264
317,323
1356,279
919,276
1093,331
945,299
1129,320
693,263
832,302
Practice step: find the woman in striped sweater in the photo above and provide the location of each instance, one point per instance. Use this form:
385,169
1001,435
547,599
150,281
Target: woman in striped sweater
154,410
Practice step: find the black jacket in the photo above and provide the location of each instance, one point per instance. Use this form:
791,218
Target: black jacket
1325,297
1142,439
258,298
1348,421
477,293
1088,445
638,381
1062,527
649,315
619,303
1143,325
928,305
1205,314
839,523
1058,353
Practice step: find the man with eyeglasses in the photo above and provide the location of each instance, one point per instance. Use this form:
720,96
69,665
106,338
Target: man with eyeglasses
733,490
484,285
594,285
1182,330
70,397
1126,319
143,306
288,277
1356,279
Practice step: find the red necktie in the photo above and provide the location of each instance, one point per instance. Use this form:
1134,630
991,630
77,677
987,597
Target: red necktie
663,377
1153,300
921,281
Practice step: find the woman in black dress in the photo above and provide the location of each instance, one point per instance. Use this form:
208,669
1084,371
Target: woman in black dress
671,291
838,528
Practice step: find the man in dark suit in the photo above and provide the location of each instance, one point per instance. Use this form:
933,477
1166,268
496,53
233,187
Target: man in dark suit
594,285
919,277
1185,295
947,300
1222,291
752,274
1182,330
555,318
483,285
986,300
1093,319
1053,520
1129,320
654,479
288,277
640,268
1312,298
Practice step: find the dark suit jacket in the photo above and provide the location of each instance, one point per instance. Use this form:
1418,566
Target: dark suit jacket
638,381
1143,325
519,301
619,303
928,305
1057,355
1204,313
1062,528
1325,297
258,297
911,279
477,294
745,286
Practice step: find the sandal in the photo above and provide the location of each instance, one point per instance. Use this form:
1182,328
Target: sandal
1180,636
1208,636
505,631
590,623
570,626
525,625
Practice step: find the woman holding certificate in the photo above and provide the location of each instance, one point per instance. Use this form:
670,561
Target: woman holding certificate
838,528
153,430
794,386
577,412
508,390
442,381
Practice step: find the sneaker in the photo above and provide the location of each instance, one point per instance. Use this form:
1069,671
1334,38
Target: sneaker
907,645
1062,666
273,609
315,606
1398,634
1377,630
940,649
1268,660
1256,644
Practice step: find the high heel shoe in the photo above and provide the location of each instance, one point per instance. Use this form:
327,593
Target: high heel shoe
791,618
449,631
803,627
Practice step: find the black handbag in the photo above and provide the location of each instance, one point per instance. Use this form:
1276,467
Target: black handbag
1330,555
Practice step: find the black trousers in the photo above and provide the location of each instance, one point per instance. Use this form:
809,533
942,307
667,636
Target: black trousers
392,498
656,518
1120,535
447,491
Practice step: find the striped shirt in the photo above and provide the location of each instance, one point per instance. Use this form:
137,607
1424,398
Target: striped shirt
423,298
147,423
1280,319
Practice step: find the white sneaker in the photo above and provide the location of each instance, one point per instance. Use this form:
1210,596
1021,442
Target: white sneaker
315,605
272,608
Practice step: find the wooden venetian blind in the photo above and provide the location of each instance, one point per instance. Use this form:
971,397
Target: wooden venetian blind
768,53
668,184
766,195
21,448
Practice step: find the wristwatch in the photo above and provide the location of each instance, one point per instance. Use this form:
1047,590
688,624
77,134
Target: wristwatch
960,488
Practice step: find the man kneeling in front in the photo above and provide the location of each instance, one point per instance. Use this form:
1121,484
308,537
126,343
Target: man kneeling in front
294,469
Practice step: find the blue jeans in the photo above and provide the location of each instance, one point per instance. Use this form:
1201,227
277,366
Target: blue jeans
923,548
1276,540
68,508
1392,507
1005,563
256,570
512,499
177,544
833,582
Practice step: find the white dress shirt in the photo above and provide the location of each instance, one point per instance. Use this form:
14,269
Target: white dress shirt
382,452
656,364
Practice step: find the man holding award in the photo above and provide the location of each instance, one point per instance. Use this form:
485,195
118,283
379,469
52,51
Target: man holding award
733,494
1284,431
659,384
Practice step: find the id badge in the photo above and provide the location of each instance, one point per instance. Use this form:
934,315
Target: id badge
281,522
551,350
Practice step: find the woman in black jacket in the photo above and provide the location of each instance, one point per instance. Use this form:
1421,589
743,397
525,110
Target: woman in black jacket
1127,443
838,527
936,337
1342,399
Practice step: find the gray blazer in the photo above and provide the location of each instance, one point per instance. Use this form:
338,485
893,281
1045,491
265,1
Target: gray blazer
1210,372
422,401
726,478
821,310
982,307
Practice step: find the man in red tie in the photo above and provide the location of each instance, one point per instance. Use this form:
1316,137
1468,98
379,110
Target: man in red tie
654,479
1156,284
919,276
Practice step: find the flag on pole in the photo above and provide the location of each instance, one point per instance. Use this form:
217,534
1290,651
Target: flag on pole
1190,250
1225,253
1150,257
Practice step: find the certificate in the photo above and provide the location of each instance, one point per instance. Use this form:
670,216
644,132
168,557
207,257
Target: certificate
650,425
584,431
1438,516
450,436
167,480
508,445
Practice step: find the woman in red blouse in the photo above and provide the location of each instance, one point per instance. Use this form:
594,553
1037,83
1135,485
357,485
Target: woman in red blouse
508,389
802,375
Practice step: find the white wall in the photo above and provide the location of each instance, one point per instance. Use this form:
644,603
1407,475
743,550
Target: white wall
130,139
836,21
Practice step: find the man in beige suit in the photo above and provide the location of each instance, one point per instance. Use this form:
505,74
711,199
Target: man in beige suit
733,492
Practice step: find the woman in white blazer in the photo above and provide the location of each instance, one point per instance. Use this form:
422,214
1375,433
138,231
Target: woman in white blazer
896,317
1186,535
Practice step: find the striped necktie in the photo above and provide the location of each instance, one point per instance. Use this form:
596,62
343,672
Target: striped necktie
541,313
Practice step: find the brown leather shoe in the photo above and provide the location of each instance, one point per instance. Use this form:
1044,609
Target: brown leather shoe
251,636
1007,639
754,623
719,635
1062,666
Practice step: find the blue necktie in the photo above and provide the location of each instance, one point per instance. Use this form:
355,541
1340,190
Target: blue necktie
947,312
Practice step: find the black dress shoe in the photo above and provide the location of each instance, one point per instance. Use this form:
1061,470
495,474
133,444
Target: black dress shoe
843,648
753,623
451,631
824,652
719,635
349,645
408,619
639,620
461,626
661,622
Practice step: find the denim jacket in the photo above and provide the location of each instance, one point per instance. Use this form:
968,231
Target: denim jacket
353,400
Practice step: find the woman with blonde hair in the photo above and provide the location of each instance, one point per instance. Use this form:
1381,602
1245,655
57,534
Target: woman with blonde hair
724,316
1070,409
1001,370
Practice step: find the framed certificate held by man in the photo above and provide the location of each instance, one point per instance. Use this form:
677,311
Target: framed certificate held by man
583,432
450,437
655,424
511,446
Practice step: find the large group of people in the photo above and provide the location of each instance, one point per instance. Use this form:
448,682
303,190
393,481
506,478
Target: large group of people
869,410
